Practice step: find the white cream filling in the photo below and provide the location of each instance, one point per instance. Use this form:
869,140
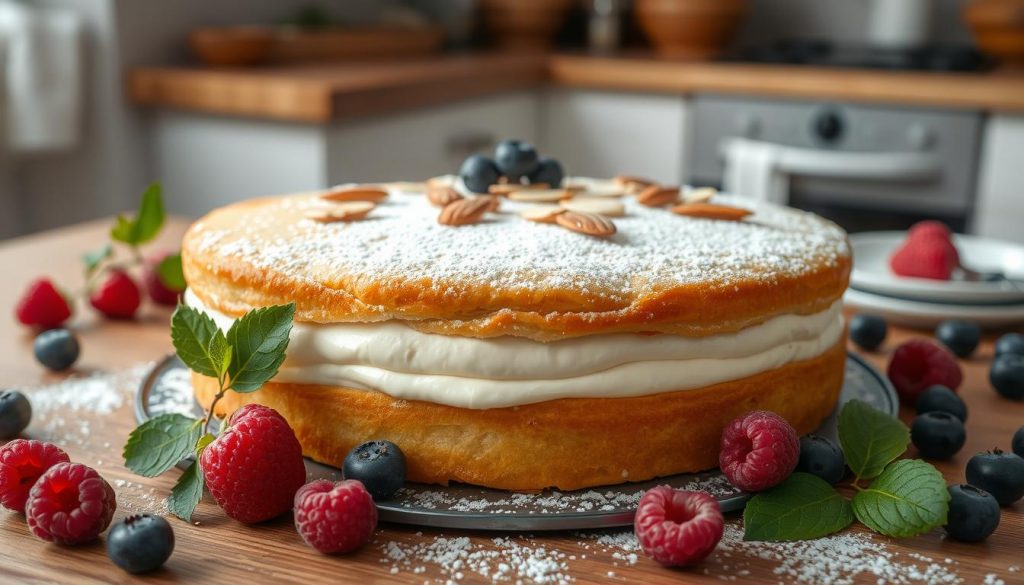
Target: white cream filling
509,371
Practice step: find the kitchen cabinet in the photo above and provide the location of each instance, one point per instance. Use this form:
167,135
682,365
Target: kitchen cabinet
208,161
603,133
999,208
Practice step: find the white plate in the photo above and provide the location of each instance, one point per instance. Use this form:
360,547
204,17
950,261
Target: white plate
871,252
926,314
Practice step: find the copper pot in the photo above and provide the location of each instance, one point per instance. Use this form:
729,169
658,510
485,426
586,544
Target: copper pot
697,29
528,25
998,27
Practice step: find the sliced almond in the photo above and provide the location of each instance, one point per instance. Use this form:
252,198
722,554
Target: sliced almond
656,196
356,193
343,211
540,195
542,213
505,189
700,195
465,211
590,224
495,203
712,211
441,181
600,205
408,186
633,183
441,196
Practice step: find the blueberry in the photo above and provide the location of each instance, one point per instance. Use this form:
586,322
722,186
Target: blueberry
478,173
1000,474
1010,343
973,513
57,349
821,457
961,337
939,398
380,465
516,159
937,435
1018,442
868,331
1007,375
548,171
140,544
15,413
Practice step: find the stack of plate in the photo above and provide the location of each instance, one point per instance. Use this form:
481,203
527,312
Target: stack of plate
924,303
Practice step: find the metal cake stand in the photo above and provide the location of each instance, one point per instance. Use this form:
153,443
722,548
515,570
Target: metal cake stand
167,388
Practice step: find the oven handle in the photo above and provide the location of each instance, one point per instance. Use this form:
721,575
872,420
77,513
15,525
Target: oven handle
890,166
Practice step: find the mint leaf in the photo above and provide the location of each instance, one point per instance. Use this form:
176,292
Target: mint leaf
160,443
96,257
198,341
203,443
908,499
259,340
146,224
187,492
801,508
170,273
871,439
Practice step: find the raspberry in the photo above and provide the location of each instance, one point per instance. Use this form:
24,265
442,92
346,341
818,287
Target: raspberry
759,450
255,467
335,518
918,364
678,528
21,463
43,305
926,256
118,297
70,504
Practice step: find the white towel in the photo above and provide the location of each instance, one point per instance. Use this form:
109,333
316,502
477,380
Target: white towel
752,170
42,84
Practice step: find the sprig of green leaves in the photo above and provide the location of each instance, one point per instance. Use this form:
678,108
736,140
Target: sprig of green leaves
243,360
147,222
906,498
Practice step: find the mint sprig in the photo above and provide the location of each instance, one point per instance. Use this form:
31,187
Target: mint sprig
906,498
147,222
801,508
242,360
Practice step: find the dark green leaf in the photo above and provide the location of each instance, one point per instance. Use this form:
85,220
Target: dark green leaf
169,271
801,508
259,340
96,257
187,492
146,224
907,499
871,439
198,341
160,443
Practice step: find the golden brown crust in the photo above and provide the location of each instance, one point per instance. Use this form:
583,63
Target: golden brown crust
568,443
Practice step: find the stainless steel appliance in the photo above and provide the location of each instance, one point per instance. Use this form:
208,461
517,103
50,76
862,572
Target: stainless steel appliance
866,167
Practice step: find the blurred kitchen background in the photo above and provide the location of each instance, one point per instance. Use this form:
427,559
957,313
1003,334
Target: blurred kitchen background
875,113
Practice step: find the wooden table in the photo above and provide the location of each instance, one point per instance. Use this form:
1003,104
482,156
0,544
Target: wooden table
218,550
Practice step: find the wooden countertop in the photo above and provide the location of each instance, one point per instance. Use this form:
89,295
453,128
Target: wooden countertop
322,93
218,550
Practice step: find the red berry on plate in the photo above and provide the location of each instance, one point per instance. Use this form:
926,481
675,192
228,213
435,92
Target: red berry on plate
678,528
918,364
22,462
70,504
117,297
160,292
758,451
254,468
42,305
925,256
335,518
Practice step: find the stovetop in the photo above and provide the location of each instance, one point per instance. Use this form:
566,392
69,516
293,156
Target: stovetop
823,53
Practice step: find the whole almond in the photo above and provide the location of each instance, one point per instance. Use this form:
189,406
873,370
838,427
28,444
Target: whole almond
700,195
541,213
711,211
540,195
358,193
465,211
590,224
495,202
441,196
633,183
599,205
506,188
342,211
655,196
